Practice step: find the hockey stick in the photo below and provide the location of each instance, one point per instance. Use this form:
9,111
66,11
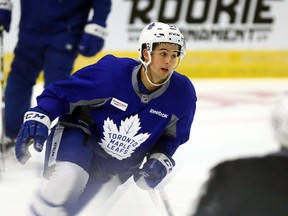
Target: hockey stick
164,200
3,98
154,198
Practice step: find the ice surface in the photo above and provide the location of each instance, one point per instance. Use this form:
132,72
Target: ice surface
232,120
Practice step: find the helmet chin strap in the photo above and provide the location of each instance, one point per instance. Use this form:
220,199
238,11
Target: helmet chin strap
156,84
145,64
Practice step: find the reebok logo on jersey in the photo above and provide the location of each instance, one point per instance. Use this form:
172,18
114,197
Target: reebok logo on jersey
159,113
119,104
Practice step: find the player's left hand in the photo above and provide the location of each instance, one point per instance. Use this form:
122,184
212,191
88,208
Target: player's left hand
153,171
92,40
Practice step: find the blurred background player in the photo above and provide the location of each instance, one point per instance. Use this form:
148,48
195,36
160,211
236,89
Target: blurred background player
255,186
114,115
51,34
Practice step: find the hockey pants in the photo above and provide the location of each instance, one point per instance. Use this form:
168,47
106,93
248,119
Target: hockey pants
75,176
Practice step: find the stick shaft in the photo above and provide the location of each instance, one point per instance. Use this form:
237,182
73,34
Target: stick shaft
166,202
3,97
163,198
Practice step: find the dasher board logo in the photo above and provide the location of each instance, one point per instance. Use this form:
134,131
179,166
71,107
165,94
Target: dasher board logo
123,141
207,20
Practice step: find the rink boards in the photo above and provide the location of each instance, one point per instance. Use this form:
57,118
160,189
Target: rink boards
210,64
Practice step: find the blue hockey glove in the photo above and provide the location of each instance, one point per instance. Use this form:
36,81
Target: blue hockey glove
153,171
33,131
5,14
92,40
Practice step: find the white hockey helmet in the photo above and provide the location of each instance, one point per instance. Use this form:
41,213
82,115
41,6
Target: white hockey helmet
279,120
157,32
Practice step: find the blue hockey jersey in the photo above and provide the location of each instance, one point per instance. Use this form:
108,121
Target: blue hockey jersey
126,123
59,22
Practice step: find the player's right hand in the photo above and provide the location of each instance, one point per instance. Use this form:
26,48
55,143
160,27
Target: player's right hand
153,171
33,131
5,14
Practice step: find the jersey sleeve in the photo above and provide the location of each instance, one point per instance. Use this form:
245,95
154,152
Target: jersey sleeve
178,131
87,84
101,10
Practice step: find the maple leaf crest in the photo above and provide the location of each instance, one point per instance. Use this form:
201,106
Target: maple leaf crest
123,142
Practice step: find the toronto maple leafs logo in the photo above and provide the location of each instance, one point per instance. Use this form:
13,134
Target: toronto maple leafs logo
123,142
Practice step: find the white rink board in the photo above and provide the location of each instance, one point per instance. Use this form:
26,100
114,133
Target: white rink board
261,26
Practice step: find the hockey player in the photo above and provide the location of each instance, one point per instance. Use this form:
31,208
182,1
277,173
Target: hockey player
112,115
254,186
51,34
